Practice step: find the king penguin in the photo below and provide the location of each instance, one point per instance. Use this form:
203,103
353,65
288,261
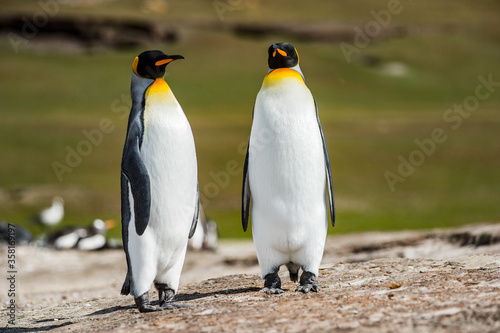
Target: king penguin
287,175
159,185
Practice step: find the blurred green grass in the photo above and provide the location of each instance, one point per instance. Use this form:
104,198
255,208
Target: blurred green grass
369,118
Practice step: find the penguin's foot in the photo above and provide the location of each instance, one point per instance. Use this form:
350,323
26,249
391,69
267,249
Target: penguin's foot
305,288
271,291
166,296
307,283
272,285
143,304
165,293
171,306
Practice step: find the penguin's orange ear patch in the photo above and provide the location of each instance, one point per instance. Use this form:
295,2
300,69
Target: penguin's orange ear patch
283,53
134,65
162,62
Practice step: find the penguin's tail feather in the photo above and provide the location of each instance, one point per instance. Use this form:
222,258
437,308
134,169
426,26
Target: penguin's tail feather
293,269
126,285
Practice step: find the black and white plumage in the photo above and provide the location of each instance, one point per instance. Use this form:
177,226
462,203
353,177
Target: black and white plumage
90,238
159,186
287,175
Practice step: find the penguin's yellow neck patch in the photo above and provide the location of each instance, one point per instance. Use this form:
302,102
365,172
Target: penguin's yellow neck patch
159,86
278,75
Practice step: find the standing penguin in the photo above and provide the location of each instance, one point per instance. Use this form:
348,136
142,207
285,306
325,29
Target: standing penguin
159,186
287,173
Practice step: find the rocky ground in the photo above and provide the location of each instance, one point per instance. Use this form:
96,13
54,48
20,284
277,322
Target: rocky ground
425,281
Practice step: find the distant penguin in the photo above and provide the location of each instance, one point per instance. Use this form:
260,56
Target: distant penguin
287,175
159,185
96,235
66,238
206,236
52,215
195,243
211,239
90,238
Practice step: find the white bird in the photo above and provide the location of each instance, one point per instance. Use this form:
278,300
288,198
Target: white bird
54,214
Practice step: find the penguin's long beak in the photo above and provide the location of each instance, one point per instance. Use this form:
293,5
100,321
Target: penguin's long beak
169,58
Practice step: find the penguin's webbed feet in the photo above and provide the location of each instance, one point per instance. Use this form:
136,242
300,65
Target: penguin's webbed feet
305,288
166,296
165,293
307,283
272,285
144,305
271,291
171,306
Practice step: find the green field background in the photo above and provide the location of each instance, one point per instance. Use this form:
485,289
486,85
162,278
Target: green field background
371,119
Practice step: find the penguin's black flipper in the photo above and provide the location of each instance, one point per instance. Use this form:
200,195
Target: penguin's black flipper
196,212
134,176
245,196
125,222
133,168
137,176
328,169
126,285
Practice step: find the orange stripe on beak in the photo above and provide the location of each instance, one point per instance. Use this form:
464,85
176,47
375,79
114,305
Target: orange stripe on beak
274,53
163,62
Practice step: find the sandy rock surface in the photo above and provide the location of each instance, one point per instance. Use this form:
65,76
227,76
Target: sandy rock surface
419,281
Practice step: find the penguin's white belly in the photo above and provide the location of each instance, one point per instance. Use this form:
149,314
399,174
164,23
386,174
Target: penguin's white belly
168,153
169,156
287,177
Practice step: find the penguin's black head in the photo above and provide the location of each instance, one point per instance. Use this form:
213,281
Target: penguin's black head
151,64
282,55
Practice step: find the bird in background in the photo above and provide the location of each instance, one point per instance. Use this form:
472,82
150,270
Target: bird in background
89,238
287,176
52,215
159,185
206,236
